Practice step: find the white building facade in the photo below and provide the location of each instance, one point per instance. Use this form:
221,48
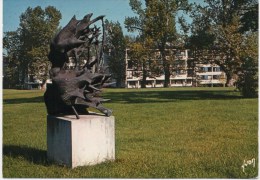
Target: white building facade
184,73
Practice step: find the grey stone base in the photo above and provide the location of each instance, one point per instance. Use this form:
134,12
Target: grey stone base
79,142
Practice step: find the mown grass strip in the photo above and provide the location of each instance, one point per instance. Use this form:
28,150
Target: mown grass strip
160,133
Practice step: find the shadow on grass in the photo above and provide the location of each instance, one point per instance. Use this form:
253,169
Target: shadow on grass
36,156
169,96
24,100
149,96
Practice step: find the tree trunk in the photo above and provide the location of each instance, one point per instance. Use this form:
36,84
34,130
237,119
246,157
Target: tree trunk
167,75
24,73
43,84
166,67
227,72
229,77
143,83
118,82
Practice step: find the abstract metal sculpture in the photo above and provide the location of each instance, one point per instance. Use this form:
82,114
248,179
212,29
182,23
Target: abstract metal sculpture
75,89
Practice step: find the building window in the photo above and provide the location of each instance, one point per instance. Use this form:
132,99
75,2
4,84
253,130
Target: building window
132,83
130,64
149,83
205,77
178,82
216,77
159,82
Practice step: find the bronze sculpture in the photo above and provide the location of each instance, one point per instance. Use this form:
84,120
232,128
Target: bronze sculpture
74,90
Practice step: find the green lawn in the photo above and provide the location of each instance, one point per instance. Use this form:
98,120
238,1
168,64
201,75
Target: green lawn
160,133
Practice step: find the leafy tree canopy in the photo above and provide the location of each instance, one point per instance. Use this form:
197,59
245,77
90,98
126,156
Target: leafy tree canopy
115,48
156,20
36,29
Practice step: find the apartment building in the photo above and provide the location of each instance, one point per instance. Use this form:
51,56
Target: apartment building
185,72
210,75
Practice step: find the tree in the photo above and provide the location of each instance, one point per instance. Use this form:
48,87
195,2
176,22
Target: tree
248,78
115,48
11,45
248,73
37,27
162,31
141,55
249,18
216,29
158,22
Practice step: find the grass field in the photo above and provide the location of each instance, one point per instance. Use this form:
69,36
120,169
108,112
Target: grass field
160,133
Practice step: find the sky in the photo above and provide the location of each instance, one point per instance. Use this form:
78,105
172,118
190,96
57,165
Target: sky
114,10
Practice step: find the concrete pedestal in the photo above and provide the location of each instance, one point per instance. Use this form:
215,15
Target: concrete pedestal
78,142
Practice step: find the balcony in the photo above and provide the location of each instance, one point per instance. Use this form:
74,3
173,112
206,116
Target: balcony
214,81
200,73
179,76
